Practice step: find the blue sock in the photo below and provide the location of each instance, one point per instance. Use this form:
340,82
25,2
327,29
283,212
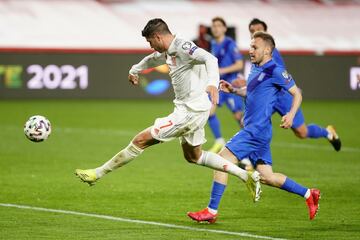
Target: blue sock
214,124
216,194
315,131
293,187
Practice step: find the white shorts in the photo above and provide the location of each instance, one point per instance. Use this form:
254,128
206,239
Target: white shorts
184,124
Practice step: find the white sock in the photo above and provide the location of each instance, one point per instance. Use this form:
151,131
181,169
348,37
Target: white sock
212,211
330,135
220,140
119,160
246,162
215,161
307,194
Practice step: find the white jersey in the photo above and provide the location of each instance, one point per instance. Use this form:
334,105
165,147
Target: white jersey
192,69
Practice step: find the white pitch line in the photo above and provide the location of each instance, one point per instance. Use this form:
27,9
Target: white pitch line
119,219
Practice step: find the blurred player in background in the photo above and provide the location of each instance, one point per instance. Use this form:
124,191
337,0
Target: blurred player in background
230,62
203,39
283,104
194,74
265,81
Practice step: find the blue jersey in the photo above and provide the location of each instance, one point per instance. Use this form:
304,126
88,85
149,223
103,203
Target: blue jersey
263,85
277,58
227,54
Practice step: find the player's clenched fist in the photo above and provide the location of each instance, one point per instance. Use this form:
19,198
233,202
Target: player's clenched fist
226,86
133,79
287,121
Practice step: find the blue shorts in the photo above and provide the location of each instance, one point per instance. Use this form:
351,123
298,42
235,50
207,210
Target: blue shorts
283,106
234,102
244,145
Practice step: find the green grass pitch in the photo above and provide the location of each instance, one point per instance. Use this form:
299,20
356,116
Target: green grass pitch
160,185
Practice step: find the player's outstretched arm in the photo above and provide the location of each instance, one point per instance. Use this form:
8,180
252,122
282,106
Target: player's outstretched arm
283,79
229,88
235,54
236,67
211,63
287,120
153,60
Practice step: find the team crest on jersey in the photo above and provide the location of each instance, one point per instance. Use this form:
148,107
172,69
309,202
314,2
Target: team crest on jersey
186,46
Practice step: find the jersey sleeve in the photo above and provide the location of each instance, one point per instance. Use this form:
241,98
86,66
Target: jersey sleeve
236,55
153,60
283,79
202,56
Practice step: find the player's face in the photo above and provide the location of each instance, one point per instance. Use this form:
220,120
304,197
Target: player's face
218,29
256,27
257,50
156,43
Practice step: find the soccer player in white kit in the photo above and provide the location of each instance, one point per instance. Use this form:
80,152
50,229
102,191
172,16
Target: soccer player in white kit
194,74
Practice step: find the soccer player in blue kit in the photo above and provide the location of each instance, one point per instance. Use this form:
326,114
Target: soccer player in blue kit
266,80
284,100
230,62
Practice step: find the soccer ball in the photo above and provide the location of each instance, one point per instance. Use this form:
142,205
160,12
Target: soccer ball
37,128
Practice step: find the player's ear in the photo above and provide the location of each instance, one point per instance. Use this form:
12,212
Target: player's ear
156,36
267,51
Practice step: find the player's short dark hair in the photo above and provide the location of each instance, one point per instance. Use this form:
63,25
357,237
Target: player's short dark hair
265,37
258,21
219,19
156,25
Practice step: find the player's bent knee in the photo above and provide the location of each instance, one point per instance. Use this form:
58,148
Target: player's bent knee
301,131
139,141
189,158
238,116
143,139
301,134
192,156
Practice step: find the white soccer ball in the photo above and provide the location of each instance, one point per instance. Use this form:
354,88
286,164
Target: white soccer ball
37,128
